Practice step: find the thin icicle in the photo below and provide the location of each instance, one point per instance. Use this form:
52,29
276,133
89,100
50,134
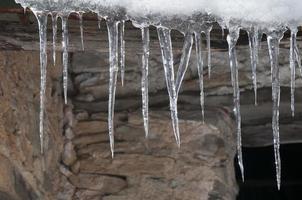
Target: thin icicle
260,35
208,37
200,70
184,60
42,22
65,43
297,53
254,47
81,29
164,35
292,59
273,40
54,18
99,22
145,66
122,51
232,40
112,26
222,33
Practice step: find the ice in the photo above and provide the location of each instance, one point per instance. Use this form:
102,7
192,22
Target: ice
208,36
273,39
65,42
42,21
253,34
292,60
112,26
122,50
184,60
54,18
167,56
81,29
232,40
145,66
200,70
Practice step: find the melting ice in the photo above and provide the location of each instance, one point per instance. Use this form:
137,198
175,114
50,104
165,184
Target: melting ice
192,18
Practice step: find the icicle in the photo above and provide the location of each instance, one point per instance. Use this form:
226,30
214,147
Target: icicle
200,70
184,60
208,37
145,66
42,22
167,56
112,27
260,35
54,18
24,10
232,40
222,33
122,51
297,52
292,58
99,22
273,39
81,29
253,43
65,43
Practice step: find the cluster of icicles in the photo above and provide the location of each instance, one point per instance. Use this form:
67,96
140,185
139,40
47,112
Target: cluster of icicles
192,30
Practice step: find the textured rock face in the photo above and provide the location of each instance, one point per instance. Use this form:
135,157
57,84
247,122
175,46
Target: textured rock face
155,168
21,170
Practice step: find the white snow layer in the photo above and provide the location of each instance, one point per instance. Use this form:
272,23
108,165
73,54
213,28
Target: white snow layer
285,12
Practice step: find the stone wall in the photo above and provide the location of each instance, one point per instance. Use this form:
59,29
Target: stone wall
22,175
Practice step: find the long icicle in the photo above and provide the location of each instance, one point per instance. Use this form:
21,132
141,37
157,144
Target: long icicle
254,47
164,35
42,22
99,22
297,53
145,66
54,18
184,60
232,40
208,37
122,51
292,60
65,43
273,40
200,70
81,29
112,26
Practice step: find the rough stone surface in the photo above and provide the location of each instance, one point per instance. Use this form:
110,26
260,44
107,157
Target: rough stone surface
21,175
155,168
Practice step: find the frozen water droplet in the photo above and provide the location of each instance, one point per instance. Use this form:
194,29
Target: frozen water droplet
65,43
54,18
122,51
273,39
184,60
81,29
232,40
253,43
167,57
208,37
292,60
112,26
200,70
42,22
145,66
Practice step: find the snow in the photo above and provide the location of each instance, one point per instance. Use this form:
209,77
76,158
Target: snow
253,11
